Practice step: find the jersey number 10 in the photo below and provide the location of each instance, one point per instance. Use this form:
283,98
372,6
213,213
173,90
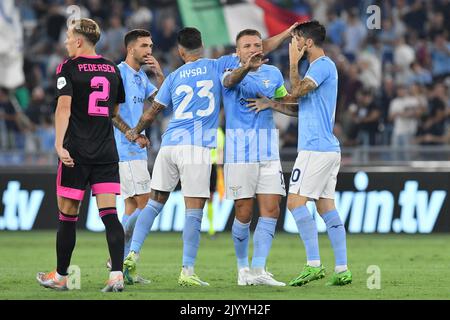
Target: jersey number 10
205,91
96,96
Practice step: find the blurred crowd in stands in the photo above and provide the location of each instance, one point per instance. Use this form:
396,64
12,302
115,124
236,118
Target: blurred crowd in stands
394,82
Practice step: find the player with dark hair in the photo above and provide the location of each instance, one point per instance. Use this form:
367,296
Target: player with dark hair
133,166
252,162
193,91
315,171
89,90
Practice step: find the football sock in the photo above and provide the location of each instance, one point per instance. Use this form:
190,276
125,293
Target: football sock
144,224
125,218
240,233
191,236
114,237
65,241
308,232
131,221
129,227
262,241
336,234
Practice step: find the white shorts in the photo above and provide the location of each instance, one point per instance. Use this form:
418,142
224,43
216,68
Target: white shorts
188,163
245,180
134,178
315,174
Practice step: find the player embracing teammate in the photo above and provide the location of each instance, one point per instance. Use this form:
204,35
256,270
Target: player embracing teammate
90,89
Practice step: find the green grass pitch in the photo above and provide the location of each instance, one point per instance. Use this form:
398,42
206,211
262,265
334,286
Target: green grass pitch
411,266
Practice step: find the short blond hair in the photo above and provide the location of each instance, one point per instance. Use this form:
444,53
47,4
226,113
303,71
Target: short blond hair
88,28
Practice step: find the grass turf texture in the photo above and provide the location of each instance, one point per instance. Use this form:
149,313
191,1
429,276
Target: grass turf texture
412,267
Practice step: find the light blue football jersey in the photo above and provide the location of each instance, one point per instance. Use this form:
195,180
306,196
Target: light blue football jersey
317,109
138,88
194,93
251,136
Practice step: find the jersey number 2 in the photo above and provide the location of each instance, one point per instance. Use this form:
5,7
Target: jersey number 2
205,91
96,96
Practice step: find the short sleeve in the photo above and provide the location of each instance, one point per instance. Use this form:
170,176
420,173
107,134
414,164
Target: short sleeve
319,71
164,96
227,62
222,77
63,80
149,89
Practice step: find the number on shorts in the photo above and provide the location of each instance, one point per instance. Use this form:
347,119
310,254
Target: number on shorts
282,178
96,96
295,175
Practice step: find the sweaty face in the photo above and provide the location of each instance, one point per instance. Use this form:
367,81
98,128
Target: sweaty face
71,43
141,49
248,45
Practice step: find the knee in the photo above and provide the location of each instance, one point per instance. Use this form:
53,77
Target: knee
142,200
69,207
325,206
243,211
291,204
160,196
295,201
271,211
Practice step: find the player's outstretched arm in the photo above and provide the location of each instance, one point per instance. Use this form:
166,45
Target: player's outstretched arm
146,119
236,76
274,42
299,87
62,116
286,105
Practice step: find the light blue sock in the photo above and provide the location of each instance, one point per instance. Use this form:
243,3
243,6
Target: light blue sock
144,224
241,234
131,221
125,218
128,222
262,241
191,236
336,233
308,232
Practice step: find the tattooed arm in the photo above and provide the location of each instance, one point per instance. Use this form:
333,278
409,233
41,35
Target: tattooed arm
299,87
236,76
146,119
118,121
302,87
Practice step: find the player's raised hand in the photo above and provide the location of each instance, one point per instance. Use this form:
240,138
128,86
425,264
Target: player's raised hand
153,64
143,141
65,157
256,60
259,104
294,53
291,29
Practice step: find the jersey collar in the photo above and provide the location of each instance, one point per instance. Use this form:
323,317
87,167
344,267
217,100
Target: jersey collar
129,67
324,56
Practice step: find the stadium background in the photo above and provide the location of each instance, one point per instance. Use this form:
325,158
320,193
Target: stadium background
402,61
395,174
